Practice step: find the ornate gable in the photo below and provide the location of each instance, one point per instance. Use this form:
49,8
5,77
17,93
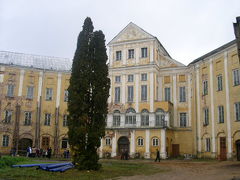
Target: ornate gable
129,33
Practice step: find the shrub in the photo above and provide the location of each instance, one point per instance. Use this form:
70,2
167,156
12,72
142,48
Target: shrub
7,161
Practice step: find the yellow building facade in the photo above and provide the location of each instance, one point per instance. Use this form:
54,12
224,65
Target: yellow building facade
155,101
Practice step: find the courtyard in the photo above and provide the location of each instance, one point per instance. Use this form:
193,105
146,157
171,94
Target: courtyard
133,170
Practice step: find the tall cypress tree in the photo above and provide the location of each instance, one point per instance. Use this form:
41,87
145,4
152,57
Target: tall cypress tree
88,93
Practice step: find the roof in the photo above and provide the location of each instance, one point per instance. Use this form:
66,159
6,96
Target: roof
35,61
214,51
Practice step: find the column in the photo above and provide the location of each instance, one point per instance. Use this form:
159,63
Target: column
174,99
189,101
151,119
151,53
123,89
212,110
138,119
136,92
111,56
59,83
151,100
122,122
124,56
160,88
199,147
132,144
21,82
229,138
114,145
101,148
147,144
163,152
40,82
137,55
2,69
109,120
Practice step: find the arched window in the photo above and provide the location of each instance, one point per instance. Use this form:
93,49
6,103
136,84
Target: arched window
108,141
130,116
155,141
144,118
140,141
116,118
160,117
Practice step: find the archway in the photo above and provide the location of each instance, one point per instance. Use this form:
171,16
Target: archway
23,144
238,149
123,145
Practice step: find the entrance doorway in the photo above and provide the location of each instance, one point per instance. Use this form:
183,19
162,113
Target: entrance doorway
123,145
23,144
45,142
238,149
175,150
223,149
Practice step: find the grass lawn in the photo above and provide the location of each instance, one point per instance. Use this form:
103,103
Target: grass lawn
110,169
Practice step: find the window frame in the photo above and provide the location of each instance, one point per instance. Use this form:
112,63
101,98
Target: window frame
10,90
140,141
116,118
207,145
183,119
5,140
220,114
130,117
237,111
8,116
236,77
145,117
27,118
182,93
117,95
130,93
206,116
117,79
144,52
118,55
144,77
131,53
30,92
65,120
144,92
66,94
130,78
220,82
205,87
49,94
167,94
108,141
47,119
155,141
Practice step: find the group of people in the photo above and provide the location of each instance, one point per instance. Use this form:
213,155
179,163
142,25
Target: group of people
35,152
66,153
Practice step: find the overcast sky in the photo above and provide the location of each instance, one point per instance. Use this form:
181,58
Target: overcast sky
186,28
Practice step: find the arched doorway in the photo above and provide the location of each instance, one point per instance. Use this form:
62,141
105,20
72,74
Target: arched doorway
238,149
123,145
23,144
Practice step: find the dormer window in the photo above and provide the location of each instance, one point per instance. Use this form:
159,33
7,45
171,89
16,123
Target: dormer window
130,53
118,55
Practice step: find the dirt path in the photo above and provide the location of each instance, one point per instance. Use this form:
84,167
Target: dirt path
180,170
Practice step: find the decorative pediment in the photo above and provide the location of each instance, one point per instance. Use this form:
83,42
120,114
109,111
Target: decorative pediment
129,33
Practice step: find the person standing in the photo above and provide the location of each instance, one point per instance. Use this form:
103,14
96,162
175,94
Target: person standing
158,156
49,153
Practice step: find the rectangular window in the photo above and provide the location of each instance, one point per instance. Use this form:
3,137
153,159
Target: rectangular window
237,111
206,117
30,90
5,141
65,117
118,55
28,118
49,94
47,121
182,94
167,94
220,114
144,92
10,91
66,95
117,94
144,77
236,77
144,52
183,119
8,117
130,93
140,141
64,143
130,78
130,53
117,79
205,87
116,120
219,83
108,141
208,145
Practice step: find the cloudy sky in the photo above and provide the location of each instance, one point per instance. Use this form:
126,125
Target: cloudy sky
186,28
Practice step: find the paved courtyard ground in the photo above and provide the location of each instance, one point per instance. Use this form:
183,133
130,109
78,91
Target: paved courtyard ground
194,170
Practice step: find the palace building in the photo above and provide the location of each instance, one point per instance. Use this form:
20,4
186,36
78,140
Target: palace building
155,101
